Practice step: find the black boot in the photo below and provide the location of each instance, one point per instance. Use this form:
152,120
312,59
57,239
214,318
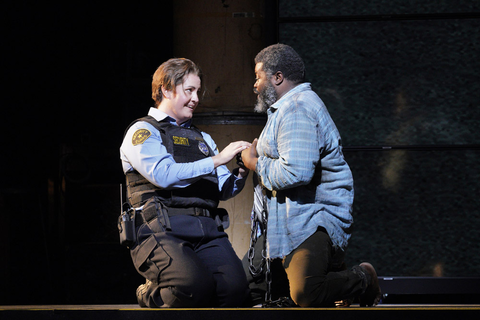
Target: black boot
371,293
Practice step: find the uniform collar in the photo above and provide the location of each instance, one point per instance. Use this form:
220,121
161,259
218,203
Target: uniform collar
160,115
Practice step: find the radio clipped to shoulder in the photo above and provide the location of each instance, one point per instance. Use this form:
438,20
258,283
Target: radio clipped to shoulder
126,224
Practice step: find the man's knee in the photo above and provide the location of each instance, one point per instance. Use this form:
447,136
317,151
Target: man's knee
310,294
302,299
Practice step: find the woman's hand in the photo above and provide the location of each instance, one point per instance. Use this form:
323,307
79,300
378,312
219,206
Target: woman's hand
230,151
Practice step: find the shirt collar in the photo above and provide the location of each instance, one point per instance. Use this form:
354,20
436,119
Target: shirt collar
160,115
301,87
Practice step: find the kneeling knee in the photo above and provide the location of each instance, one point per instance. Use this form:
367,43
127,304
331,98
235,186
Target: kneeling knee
302,299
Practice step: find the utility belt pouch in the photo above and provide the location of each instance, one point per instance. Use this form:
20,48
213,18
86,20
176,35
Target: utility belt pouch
126,227
155,214
222,218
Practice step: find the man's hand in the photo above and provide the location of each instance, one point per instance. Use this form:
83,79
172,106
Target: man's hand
250,156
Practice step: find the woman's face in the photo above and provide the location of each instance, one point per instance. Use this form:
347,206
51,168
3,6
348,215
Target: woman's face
184,100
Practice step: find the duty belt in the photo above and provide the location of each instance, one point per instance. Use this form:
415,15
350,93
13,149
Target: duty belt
193,211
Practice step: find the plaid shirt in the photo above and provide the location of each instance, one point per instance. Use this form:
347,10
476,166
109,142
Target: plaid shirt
301,162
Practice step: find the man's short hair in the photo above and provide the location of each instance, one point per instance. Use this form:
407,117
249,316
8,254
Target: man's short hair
281,57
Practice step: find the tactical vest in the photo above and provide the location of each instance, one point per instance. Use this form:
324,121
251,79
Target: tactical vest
185,145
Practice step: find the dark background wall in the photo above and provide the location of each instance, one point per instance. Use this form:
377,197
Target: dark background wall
394,74
74,76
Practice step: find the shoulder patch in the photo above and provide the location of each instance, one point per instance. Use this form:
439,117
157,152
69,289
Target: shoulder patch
140,136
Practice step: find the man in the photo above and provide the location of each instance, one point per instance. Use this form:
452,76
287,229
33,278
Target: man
175,180
309,190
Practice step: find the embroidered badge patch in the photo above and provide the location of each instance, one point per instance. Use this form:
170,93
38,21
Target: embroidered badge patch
140,136
180,140
203,147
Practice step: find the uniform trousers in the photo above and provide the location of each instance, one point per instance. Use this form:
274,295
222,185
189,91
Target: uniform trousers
312,275
195,266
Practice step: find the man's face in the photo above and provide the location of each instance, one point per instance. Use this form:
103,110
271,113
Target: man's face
263,87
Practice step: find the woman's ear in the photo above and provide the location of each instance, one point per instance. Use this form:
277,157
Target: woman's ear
166,93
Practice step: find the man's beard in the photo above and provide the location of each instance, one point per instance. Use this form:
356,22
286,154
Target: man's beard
265,99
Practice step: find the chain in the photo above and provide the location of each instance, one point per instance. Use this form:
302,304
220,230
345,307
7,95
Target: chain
268,280
255,270
260,221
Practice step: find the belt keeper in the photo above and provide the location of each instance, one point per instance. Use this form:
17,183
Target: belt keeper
202,212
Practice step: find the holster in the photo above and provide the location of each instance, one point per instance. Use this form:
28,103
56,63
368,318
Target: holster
141,231
147,254
222,218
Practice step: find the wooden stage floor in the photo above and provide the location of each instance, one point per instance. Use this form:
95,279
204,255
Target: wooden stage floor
107,312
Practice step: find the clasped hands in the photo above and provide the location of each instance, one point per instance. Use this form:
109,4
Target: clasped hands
250,156
248,151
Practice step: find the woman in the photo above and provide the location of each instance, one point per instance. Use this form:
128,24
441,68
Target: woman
175,180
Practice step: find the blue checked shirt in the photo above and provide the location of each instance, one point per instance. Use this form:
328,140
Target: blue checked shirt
152,161
301,162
